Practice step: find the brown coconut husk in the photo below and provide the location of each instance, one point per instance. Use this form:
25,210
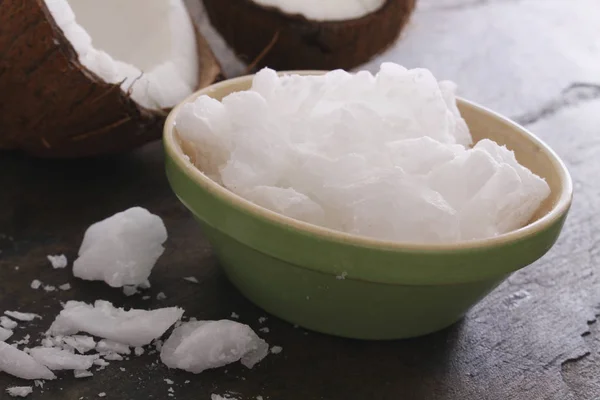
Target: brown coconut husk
52,106
295,42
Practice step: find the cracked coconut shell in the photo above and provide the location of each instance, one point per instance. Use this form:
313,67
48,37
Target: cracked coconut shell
286,42
53,106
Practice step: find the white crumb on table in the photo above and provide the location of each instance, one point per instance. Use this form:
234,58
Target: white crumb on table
235,315
49,288
109,346
21,316
58,261
57,359
192,279
121,249
35,284
264,329
112,356
65,286
201,345
101,364
20,364
262,320
102,394
169,381
276,349
78,374
19,391
134,327
342,276
81,343
25,340
138,351
145,284
129,290
7,323
218,397
161,296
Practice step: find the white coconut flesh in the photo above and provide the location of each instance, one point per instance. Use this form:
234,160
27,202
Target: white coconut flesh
148,46
325,10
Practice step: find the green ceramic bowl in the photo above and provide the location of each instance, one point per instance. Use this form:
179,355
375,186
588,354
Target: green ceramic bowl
390,290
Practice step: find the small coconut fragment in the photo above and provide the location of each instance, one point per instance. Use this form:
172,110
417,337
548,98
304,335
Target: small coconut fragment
309,34
20,364
129,290
25,340
122,249
101,364
57,359
5,334
218,397
81,343
82,374
19,391
7,323
133,327
113,357
107,346
65,286
21,316
200,345
85,80
35,284
59,261
50,341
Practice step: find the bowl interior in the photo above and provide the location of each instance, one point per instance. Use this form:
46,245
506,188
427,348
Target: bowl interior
483,123
529,151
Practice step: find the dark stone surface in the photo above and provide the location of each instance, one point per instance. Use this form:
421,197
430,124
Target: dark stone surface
524,341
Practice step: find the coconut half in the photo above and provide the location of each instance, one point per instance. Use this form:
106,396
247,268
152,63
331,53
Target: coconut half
309,34
83,77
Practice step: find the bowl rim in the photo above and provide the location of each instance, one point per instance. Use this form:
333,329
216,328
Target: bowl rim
561,207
